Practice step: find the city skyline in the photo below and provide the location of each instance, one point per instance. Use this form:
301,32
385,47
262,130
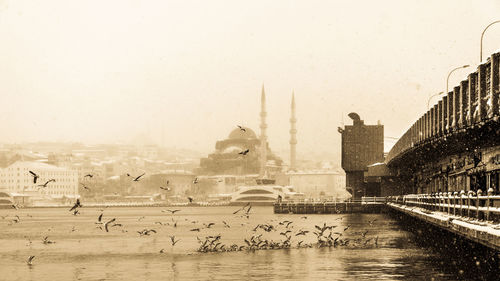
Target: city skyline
177,73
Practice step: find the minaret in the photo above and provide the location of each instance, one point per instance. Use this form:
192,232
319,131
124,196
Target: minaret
293,136
263,137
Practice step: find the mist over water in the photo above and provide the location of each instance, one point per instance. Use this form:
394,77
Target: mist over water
84,252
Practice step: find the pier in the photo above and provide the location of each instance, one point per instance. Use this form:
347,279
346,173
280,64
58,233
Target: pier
365,205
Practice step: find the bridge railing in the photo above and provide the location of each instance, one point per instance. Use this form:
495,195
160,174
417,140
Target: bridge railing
466,204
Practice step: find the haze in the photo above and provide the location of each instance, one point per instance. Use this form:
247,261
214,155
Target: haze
185,73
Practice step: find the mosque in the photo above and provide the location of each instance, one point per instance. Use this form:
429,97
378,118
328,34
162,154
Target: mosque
228,171
227,160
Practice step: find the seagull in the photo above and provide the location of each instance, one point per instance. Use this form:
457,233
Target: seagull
45,184
172,238
85,187
241,128
35,176
209,225
146,231
77,204
137,178
106,224
99,219
171,211
244,152
17,219
30,260
88,175
302,232
47,241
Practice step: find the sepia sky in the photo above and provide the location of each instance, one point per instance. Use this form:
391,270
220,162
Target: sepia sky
121,71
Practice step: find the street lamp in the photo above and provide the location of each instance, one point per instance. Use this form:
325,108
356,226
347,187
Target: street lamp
448,78
428,101
482,35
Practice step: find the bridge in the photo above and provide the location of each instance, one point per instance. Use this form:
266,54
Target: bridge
447,163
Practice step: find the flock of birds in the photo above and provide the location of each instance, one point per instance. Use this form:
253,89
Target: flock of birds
266,236
325,235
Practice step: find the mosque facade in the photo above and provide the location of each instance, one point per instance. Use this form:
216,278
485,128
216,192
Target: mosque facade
229,160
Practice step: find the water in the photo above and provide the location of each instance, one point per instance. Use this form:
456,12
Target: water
84,252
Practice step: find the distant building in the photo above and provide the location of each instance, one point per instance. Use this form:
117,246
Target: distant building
179,181
17,181
317,184
259,159
362,145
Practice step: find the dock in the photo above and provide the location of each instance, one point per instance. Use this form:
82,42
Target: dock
364,205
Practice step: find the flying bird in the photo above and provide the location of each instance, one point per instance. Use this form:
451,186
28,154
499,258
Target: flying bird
45,184
85,187
88,175
77,204
138,177
171,211
35,176
172,238
241,128
30,260
195,181
106,224
209,225
244,152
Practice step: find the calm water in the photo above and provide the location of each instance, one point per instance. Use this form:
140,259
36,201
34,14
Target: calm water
84,252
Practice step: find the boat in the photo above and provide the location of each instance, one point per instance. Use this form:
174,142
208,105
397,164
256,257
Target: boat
264,192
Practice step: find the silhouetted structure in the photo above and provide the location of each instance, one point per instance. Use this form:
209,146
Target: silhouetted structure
362,145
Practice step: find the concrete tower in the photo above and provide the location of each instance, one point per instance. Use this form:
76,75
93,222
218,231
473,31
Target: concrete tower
263,136
293,137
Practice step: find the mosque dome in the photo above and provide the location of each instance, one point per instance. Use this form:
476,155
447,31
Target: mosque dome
240,134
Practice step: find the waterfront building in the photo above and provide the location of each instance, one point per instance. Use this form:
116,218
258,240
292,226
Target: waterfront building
318,184
18,182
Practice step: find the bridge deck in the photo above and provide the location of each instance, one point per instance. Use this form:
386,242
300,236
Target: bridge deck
481,232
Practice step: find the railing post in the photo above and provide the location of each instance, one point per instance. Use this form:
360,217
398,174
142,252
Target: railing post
462,194
479,192
454,202
449,202
468,203
490,192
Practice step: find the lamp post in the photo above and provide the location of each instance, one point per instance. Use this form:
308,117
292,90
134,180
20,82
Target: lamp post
481,44
448,78
428,101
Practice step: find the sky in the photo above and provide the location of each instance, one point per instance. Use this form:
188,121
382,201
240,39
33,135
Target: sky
185,73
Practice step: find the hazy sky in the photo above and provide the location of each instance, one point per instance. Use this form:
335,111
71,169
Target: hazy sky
107,71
